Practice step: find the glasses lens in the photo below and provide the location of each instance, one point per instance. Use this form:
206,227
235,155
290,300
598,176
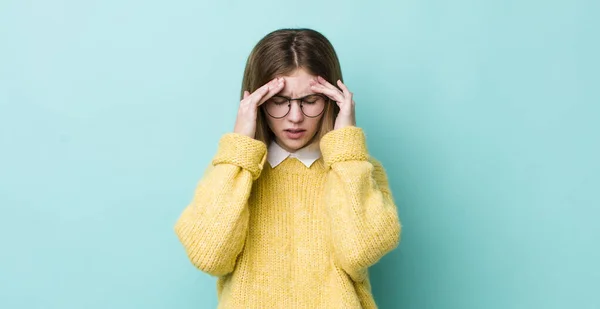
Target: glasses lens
313,105
277,106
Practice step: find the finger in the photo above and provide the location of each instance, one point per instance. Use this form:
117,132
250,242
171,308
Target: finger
347,92
325,83
344,88
246,94
273,90
335,95
257,95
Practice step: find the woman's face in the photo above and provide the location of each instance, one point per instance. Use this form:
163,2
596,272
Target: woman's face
295,130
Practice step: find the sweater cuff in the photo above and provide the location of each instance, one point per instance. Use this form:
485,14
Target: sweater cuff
345,144
243,151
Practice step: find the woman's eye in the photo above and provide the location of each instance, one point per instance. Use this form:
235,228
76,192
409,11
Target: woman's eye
278,101
312,99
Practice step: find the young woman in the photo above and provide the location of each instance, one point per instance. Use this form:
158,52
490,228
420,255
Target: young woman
292,210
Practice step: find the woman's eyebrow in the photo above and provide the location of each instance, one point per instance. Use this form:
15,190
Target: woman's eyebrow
287,96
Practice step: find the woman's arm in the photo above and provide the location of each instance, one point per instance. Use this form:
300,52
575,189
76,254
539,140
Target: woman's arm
213,227
365,223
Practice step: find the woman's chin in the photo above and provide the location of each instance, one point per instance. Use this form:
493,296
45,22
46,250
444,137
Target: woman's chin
292,144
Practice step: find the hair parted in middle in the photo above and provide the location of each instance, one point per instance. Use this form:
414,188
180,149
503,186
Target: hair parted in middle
280,53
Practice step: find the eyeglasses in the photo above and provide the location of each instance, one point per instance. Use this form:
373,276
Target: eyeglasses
311,105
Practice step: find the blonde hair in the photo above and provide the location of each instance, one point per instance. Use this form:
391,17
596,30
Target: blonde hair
280,53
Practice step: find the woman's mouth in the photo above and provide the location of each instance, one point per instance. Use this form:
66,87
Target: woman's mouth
294,133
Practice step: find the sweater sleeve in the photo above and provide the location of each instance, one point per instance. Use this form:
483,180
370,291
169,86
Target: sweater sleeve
212,228
365,222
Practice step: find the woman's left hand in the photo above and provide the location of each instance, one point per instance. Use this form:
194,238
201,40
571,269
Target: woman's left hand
343,99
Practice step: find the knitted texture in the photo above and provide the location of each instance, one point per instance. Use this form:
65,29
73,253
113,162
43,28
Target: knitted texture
242,151
291,236
344,145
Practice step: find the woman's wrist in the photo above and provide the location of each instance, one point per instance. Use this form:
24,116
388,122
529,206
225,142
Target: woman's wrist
344,144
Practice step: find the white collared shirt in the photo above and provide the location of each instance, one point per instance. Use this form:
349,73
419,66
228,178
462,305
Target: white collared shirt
307,155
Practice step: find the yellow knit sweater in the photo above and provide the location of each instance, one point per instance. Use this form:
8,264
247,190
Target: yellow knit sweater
291,236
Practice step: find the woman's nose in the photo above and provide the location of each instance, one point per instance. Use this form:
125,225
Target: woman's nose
295,114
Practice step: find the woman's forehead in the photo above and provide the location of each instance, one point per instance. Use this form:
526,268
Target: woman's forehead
298,84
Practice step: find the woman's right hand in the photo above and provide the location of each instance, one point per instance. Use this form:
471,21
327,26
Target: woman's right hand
246,118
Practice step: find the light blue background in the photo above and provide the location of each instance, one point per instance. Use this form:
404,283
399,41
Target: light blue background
484,113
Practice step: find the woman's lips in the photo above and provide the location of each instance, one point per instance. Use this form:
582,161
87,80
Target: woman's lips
294,133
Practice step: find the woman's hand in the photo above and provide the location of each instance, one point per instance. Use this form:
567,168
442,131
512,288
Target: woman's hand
343,99
246,118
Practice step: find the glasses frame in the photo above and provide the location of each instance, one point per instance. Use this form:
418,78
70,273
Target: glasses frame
301,99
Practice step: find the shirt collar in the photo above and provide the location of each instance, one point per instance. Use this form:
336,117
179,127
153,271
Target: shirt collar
307,155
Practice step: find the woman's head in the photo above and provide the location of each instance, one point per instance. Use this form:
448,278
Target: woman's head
298,56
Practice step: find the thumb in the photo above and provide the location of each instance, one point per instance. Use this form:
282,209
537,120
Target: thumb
246,93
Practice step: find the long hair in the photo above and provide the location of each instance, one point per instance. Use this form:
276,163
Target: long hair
280,53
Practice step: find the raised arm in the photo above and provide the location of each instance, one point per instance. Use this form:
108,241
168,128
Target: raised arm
212,228
365,223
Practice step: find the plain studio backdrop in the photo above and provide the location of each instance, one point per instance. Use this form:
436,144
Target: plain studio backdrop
486,115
